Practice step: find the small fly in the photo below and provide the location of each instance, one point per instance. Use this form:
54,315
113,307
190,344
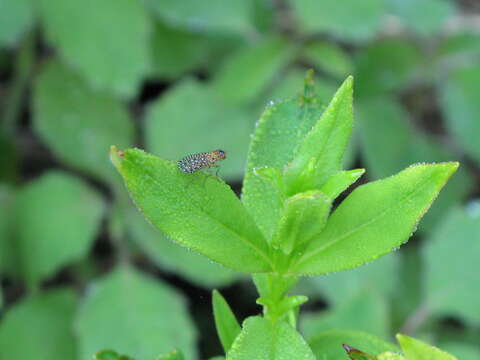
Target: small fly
192,163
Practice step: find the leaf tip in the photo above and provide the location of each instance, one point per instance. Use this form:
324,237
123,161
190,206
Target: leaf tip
116,155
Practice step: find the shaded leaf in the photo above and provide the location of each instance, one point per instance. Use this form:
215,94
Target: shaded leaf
107,41
16,18
248,71
176,51
173,258
40,327
53,231
225,321
424,17
350,20
135,315
77,124
376,277
449,254
234,16
260,339
190,118
367,311
462,109
204,215
390,206
386,66
329,57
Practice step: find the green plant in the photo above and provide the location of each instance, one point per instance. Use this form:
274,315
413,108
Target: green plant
285,226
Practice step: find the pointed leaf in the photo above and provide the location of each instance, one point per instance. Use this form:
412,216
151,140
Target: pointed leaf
196,210
279,132
304,217
260,339
40,327
133,314
416,350
375,219
227,326
320,154
339,182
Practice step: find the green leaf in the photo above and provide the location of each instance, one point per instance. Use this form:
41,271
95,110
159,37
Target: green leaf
304,216
279,132
329,57
173,355
78,124
462,351
327,345
367,311
349,20
462,109
386,66
174,130
390,356
320,155
40,327
176,51
8,261
196,210
135,315
339,182
16,18
385,125
248,71
53,231
425,17
225,321
219,16
376,277
107,42
173,258
450,253
110,355
390,206
291,84
260,339
417,350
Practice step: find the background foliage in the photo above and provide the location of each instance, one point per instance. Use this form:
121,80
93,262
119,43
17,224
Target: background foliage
82,270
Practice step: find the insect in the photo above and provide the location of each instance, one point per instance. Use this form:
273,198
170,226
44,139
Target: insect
192,163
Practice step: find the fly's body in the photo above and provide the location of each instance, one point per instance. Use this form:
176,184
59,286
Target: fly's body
192,163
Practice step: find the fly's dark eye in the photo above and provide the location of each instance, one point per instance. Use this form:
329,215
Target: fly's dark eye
221,152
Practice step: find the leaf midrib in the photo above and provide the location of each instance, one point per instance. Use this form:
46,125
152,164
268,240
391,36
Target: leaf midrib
262,254
347,234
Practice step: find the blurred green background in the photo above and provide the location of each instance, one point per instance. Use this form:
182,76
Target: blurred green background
81,270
